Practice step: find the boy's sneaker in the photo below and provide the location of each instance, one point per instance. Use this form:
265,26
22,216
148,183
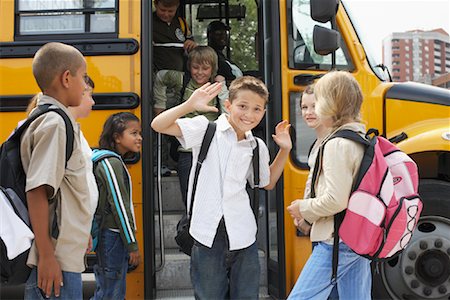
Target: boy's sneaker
165,171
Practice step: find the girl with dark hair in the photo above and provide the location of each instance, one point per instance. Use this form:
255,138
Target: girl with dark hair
117,245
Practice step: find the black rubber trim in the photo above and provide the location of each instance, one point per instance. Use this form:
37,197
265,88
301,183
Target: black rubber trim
106,101
27,49
418,92
133,159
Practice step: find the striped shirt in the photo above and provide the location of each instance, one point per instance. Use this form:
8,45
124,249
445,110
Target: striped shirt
221,188
115,194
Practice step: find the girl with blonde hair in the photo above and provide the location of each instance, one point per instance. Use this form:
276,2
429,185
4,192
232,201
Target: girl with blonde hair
338,104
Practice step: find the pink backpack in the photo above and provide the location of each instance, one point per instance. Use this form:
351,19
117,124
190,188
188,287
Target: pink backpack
384,206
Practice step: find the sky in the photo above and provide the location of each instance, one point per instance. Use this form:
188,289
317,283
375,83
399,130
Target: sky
379,18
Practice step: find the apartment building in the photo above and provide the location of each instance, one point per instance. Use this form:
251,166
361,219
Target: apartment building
417,55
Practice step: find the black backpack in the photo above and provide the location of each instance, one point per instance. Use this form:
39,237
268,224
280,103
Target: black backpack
12,190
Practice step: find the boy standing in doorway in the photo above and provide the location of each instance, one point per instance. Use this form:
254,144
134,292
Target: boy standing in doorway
224,257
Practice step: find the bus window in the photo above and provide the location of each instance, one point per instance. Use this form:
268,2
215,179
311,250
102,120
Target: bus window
301,48
304,136
243,29
68,17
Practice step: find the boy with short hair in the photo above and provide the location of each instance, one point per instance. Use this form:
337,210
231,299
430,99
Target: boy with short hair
57,198
202,65
171,36
224,257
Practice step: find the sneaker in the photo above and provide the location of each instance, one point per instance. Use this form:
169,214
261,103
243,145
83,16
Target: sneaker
165,171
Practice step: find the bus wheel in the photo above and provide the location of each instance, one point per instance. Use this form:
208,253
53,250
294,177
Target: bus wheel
422,270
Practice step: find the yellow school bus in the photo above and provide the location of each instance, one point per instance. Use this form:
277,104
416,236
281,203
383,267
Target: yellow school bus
280,42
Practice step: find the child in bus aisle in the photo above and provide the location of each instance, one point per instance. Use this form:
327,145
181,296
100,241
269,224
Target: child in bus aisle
171,37
218,34
224,259
172,41
60,72
117,247
338,103
202,64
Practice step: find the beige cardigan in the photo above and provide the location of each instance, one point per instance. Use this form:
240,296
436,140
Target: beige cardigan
340,165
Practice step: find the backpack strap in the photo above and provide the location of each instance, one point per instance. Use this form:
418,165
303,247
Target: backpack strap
183,26
186,79
39,111
98,155
210,131
339,217
255,161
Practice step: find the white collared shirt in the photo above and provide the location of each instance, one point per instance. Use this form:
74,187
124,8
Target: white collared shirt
222,180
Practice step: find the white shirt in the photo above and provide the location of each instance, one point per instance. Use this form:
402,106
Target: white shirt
92,184
221,183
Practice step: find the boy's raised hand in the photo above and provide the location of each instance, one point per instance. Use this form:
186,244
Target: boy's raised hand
282,136
202,96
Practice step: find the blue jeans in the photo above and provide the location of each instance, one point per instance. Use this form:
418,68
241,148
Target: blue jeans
334,292
72,289
354,278
184,168
218,273
111,268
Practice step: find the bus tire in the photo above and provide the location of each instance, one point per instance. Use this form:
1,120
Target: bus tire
422,270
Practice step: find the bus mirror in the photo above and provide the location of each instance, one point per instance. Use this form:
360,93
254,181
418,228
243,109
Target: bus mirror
323,10
325,40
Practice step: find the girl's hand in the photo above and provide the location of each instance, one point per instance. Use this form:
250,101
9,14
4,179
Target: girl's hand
301,225
201,97
89,247
135,258
294,210
282,136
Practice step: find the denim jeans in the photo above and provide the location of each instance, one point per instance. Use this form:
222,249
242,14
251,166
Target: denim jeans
111,268
184,168
334,292
354,278
72,289
218,273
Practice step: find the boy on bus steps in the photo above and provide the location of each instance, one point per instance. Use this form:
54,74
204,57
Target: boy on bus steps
58,201
202,65
224,257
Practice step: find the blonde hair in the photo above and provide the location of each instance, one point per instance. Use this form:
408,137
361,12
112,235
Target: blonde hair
33,103
53,59
249,83
204,55
339,97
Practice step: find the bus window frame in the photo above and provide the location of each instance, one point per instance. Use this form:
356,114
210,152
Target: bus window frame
349,66
86,12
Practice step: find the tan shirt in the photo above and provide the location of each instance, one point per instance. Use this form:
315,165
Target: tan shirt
43,151
340,165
